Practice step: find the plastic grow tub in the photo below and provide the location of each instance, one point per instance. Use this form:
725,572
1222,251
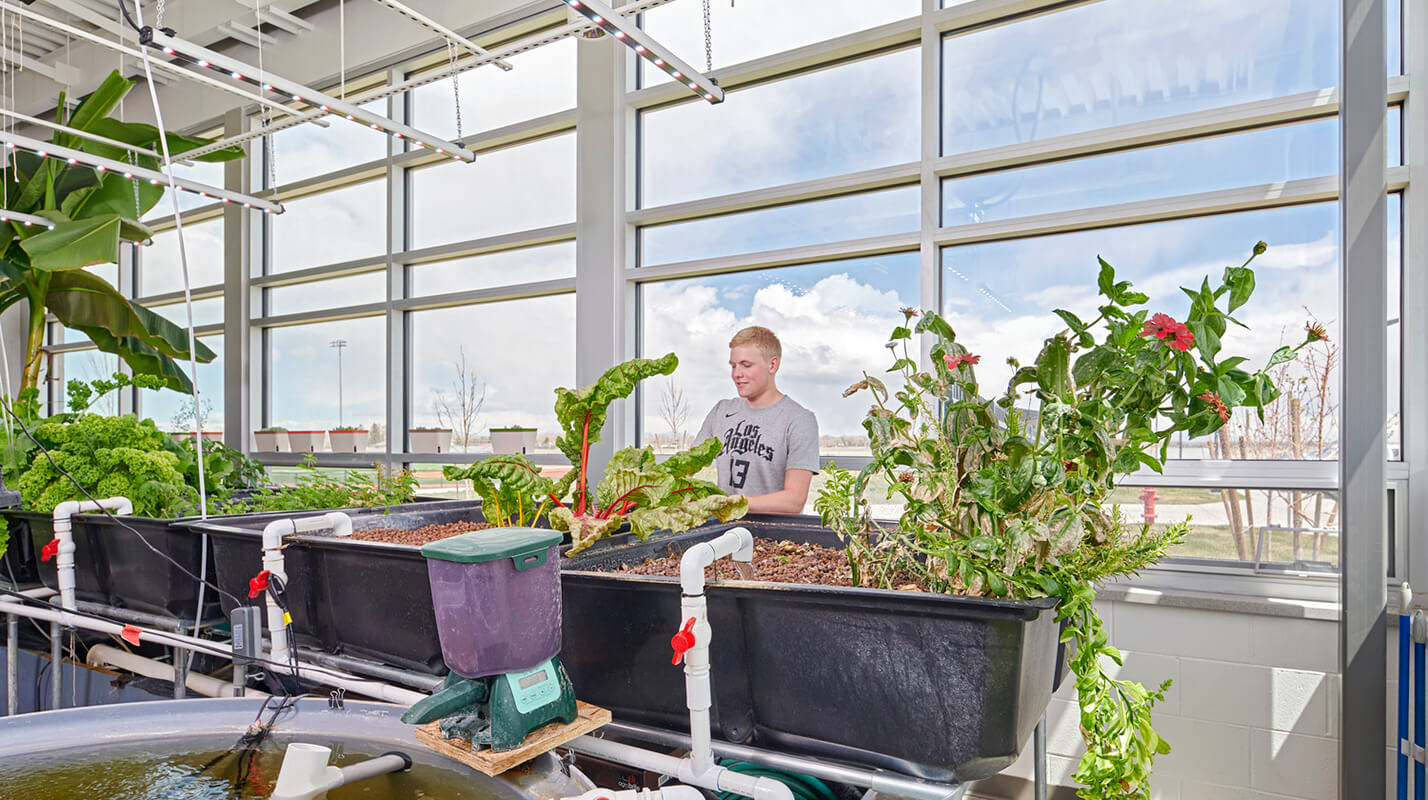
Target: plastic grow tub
367,599
941,687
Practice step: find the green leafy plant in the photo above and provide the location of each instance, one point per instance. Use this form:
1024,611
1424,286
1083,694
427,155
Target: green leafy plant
273,429
513,492
1007,502
225,470
634,488
511,429
347,430
82,395
315,489
93,212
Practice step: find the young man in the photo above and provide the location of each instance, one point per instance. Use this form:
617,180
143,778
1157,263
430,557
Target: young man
770,442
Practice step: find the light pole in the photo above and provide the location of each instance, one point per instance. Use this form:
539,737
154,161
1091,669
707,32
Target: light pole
339,344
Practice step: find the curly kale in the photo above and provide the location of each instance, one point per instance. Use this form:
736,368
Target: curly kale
109,457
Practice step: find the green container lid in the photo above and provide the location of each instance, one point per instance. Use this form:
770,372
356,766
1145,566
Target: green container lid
492,544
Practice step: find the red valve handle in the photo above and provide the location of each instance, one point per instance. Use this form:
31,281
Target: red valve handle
50,550
682,641
258,583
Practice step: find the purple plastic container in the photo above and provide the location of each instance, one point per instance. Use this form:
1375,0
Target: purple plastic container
496,594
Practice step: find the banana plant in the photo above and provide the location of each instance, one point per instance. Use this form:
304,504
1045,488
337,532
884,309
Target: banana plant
93,213
635,487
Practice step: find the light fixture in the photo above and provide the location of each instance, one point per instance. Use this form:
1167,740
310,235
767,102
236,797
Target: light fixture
14,141
443,31
55,126
28,219
626,31
203,57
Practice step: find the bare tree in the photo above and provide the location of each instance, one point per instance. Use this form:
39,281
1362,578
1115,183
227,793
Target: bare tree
674,410
460,410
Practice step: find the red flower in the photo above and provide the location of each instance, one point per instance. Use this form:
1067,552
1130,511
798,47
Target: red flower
953,362
1216,404
1165,328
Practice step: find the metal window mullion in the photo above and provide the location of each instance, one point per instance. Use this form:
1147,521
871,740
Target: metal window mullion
497,294
930,218
502,242
804,254
1414,288
321,315
237,347
399,354
1363,451
357,266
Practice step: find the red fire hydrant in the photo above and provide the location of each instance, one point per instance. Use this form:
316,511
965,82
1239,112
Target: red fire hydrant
1147,499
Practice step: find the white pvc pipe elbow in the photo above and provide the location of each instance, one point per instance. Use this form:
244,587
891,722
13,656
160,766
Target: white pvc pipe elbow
305,773
736,542
64,561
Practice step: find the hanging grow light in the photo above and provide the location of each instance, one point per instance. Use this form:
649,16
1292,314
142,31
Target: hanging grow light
646,47
207,59
442,31
28,219
15,141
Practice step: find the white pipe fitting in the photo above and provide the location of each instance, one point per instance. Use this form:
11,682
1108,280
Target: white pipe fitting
64,563
305,773
735,542
338,522
102,655
718,779
672,792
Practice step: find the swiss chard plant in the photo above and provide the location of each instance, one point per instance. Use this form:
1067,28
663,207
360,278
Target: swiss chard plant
650,495
512,490
1008,497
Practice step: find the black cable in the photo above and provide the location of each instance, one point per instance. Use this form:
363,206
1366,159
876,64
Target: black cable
5,403
124,9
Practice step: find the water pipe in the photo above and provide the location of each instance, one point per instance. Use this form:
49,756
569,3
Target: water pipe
322,675
692,640
716,778
338,522
673,792
64,539
102,655
1405,747
1420,636
305,773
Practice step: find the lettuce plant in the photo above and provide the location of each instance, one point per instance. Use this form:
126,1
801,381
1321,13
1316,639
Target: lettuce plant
1001,501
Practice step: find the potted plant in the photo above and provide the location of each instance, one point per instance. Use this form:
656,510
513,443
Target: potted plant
271,440
1004,523
306,441
348,440
514,439
429,440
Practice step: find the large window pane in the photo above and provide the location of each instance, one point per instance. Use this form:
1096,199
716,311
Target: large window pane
527,265
208,311
508,385
999,297
306,151
831,318
530,186
752,30
331,227
161,271
1123,61
1203,165
850,117
352,290
836,219
306,393
173,411
1395,328
542,82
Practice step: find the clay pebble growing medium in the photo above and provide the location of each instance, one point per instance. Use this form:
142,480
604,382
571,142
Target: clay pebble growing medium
419,536
777,561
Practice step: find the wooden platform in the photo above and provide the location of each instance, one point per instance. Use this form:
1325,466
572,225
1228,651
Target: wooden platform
539,741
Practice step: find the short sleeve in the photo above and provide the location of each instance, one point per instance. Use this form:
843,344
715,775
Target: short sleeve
803,443
707,429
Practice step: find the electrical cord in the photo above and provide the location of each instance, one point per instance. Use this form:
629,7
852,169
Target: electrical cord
5,404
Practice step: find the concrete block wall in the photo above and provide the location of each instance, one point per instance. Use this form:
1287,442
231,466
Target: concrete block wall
1252,713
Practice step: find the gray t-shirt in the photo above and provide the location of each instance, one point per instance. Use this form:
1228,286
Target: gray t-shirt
760,444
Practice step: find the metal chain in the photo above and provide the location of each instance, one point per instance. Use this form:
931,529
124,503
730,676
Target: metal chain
708,41
455,86
134,159
158,14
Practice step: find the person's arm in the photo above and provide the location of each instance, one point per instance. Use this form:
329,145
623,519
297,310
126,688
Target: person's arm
789,500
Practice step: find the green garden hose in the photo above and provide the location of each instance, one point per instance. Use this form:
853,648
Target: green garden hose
804,787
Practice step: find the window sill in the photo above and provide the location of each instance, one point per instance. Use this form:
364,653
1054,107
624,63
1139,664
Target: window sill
1298,608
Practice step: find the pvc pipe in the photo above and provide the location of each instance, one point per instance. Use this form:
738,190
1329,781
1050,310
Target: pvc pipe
372,669
716,778
324,676
1038,790
339,523
56,674
12,665
305,773
884,782
1405,599
103,655
694,621
671,792
1420,635
63,534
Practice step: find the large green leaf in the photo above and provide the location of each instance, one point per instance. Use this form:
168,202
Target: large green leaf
684,516
141,358
582,412
115,195
84,302
142,134
100,102
74,245
694,459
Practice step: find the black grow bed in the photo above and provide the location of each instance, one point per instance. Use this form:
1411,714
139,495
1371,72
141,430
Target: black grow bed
936,686
347,596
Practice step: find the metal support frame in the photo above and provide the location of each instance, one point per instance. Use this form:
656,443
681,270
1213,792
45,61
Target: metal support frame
1363,397
27,219
442,31
629,34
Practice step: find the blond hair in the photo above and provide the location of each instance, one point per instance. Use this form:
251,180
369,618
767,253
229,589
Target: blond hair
759,337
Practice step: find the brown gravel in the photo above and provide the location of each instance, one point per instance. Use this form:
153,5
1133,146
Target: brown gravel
777,561
419,536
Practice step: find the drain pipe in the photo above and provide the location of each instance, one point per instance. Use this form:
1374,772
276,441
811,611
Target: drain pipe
339,523
102,655
64,538
718,779
305,773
